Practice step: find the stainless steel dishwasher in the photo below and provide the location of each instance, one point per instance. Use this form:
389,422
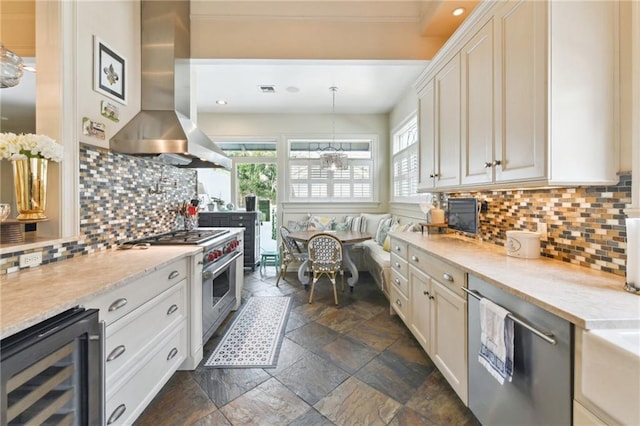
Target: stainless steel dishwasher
541,390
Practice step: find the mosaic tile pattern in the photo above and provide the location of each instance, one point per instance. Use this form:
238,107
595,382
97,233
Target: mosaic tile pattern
585,224
116,203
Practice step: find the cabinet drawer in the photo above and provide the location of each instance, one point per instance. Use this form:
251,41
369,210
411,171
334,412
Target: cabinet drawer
400,283
134,394
398,265
399,248
446,274
114,304
128,339
400,304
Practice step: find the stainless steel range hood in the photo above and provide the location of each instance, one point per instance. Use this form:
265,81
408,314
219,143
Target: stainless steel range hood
163,125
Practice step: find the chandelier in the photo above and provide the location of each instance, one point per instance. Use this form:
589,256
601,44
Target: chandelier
332,157
11,67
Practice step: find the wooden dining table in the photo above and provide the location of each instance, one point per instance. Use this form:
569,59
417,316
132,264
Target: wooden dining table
348,239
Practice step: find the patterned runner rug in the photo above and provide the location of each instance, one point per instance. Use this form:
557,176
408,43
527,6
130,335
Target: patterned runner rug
254,337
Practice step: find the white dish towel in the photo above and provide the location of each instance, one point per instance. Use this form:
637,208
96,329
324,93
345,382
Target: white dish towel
496,341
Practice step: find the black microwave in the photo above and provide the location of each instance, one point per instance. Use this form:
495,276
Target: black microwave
463,215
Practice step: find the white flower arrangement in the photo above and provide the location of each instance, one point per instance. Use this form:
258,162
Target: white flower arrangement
23,146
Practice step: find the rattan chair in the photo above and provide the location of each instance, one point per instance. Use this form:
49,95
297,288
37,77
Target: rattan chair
290,253
325,257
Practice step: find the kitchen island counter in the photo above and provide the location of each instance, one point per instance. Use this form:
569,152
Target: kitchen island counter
30,296
586,297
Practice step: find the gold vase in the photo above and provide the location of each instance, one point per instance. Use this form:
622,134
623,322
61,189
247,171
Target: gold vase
30,180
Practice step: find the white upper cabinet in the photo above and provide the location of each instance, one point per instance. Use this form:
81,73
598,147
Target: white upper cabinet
478,75
447,137
538,97
520,92
427,125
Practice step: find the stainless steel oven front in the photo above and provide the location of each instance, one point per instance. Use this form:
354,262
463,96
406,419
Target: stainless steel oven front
219,278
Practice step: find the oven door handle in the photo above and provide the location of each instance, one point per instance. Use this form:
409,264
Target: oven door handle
214,270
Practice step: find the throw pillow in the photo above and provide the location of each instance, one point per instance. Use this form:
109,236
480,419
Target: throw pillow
384,226
294,226
356,223
341,226
387,244
321,223
371,222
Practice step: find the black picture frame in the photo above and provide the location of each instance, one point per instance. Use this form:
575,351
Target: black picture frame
109,72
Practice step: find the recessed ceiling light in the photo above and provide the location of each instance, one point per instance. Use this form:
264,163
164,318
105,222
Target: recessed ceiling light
221,102
457,12
292,89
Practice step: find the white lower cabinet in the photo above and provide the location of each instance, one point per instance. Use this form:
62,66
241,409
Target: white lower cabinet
434,308
145,339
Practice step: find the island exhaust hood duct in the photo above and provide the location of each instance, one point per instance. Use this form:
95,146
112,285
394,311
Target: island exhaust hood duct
163,128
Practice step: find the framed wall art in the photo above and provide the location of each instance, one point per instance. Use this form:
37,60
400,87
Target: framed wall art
109,72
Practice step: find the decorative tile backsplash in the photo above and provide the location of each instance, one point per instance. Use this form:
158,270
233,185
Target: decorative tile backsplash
121,198
585,225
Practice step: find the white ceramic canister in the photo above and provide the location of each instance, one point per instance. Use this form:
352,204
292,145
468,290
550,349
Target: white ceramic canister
523,244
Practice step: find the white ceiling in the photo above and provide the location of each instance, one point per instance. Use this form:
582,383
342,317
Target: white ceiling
302,86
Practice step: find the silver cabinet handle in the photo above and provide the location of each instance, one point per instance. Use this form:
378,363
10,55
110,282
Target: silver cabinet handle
397,248
119,411
398,302
447,277
425,292
488,165
173,274
119,350
397,281
415,258
119,303
173,352
497,163
172,309
396,264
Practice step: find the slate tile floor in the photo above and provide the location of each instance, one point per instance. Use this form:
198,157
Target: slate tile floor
353,364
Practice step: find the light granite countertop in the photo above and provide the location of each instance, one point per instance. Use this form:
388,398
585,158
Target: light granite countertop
586,297
30,296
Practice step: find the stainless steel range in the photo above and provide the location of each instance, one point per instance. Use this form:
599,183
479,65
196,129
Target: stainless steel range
220,278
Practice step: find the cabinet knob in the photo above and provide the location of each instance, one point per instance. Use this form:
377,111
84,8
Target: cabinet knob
425,292
431,297
415,258
119,411
397,265
432,175
397,248
488,165
447,277
398,302
497,163
397,281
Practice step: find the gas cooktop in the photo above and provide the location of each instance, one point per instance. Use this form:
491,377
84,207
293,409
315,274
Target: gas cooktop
193,237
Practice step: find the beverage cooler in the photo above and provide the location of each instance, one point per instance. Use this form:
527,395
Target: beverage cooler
52,373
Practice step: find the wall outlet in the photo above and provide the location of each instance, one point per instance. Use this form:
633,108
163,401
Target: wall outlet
542,230
31,259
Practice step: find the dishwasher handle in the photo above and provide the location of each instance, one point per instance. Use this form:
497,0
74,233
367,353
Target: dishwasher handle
544,335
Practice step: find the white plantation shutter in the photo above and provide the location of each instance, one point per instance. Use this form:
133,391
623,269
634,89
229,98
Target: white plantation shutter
405,163
309,182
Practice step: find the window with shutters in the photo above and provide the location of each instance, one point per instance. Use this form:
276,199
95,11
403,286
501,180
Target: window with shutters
309,181
405,163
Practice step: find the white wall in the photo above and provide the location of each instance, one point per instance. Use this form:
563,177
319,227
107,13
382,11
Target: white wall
116,23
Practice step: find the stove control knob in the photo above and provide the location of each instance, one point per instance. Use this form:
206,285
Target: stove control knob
211,256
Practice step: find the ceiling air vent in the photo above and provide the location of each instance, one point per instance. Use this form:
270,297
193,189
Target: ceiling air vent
267,89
